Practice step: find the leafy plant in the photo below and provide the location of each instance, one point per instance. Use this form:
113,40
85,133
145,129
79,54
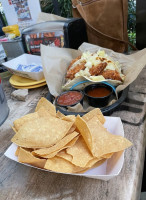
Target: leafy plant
131,15
132,21
64,6
47,6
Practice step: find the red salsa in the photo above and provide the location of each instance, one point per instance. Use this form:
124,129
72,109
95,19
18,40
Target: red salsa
69,98
99,92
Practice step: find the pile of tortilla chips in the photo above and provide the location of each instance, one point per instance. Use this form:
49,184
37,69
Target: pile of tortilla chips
66,144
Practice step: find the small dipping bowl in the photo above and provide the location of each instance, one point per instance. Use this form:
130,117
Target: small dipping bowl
69,98
98,95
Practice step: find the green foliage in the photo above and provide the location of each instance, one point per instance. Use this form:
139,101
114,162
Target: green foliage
132,37
3,15
65,7
132,21
4,19
47,6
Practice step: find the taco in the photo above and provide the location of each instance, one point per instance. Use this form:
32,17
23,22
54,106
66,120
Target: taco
93,67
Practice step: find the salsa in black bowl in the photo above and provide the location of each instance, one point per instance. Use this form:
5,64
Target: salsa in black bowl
98,95
69,98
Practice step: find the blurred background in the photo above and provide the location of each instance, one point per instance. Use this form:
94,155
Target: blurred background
65,8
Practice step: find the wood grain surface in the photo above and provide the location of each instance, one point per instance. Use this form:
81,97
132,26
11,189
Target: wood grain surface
19,182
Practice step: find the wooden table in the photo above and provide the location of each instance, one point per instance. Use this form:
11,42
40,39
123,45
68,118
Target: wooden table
19,182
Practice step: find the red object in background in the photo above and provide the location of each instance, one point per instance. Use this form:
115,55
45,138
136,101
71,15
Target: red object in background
57,42
33,43
10,2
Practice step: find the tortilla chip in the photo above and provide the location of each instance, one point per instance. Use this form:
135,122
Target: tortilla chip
14,129
17,151
42,112
25,156
58,146
95,162
70,144
98,163
43,102
59,114
72,129
84,130
19,122
109,155
92,164
102,141
65,155
95,112
82,171
69,118
58,164
80,153
43,132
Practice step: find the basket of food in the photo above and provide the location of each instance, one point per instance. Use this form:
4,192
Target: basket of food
100,74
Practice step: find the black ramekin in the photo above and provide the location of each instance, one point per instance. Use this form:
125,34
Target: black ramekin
98,101
65,106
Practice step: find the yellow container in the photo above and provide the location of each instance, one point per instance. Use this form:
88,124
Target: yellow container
14,29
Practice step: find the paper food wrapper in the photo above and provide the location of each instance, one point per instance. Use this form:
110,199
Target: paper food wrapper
109,169
25,60
55,62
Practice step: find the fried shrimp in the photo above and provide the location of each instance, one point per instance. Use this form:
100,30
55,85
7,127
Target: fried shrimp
111,74
71,73
73,61
96,70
